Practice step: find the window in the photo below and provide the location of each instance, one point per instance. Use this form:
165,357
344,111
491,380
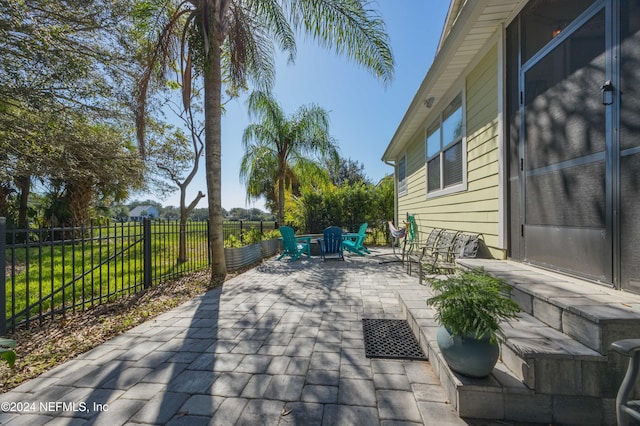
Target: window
433,159
444,150
402,175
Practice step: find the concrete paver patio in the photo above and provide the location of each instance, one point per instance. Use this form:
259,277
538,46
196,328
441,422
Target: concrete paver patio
279,344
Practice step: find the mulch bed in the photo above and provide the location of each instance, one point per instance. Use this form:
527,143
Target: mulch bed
54,342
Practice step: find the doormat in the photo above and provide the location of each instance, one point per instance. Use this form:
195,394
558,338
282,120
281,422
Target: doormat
384,338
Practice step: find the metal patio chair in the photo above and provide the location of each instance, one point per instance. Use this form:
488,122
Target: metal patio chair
626,408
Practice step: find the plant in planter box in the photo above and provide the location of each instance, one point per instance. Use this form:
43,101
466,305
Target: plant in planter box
238,254
272,234
252,236
470,306
232,242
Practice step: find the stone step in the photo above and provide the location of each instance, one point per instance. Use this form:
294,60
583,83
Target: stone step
551,362
543,376
590,313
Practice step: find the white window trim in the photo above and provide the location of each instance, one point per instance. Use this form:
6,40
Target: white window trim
462,186
405,190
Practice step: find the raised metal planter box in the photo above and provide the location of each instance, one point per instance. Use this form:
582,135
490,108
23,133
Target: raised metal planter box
269,247
237,258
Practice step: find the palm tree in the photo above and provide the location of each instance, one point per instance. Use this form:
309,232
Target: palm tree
236,39
277,144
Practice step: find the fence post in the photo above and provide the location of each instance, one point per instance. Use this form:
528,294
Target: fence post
3,279
146,251
241,236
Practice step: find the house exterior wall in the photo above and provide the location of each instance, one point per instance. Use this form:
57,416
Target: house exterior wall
476,209
415,195
152,213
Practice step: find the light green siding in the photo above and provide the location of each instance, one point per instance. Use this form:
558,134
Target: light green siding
416,184
477,208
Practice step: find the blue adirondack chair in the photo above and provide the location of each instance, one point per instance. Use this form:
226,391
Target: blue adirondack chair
331,243
355,242
294,246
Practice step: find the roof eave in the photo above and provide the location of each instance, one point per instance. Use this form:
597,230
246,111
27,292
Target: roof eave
445,71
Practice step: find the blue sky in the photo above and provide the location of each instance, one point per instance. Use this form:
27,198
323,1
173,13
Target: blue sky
364,114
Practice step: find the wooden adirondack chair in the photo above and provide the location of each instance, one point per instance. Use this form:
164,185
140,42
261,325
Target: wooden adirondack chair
355,242
294,246
331,243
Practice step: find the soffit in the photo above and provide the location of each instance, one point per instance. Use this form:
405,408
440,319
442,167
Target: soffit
468,32
452,15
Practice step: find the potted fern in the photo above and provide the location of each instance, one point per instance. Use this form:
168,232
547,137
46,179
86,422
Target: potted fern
470,307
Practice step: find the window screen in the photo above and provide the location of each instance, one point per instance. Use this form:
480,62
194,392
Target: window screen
433,175
402,175
452,165
444,148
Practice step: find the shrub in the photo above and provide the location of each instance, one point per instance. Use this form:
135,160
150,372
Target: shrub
271,235
251,236
232,242
6,351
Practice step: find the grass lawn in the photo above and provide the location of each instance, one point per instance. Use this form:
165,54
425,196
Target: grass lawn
96,265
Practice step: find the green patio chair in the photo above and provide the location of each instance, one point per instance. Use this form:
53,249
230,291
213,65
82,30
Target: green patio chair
411,240
294,246
355,242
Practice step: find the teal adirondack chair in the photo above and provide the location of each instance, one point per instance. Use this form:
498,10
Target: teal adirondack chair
294,246
355,242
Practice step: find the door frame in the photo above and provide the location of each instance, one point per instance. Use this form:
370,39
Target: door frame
611,112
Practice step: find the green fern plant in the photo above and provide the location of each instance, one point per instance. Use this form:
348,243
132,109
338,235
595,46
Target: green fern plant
473,303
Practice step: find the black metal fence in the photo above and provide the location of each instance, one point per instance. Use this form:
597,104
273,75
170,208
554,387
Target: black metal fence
240,228
51,271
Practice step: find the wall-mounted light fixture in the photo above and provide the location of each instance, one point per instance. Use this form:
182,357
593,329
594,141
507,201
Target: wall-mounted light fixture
559,28
429,102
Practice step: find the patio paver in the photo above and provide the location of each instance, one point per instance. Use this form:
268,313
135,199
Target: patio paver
279,344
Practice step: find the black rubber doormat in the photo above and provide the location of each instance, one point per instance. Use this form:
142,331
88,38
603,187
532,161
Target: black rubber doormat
385,338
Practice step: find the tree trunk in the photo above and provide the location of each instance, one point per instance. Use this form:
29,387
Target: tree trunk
5,190
24,185
213,156
182,248
184,215
282,170
281,200
80,195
